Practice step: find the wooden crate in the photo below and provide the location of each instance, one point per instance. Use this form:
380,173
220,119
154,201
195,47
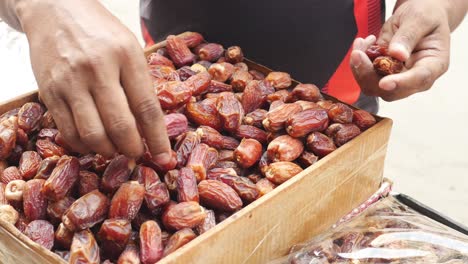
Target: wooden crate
300,208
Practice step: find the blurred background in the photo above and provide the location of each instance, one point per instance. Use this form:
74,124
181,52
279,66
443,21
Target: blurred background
428,150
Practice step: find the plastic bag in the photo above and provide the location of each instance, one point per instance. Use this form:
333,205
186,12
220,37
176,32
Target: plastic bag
387,232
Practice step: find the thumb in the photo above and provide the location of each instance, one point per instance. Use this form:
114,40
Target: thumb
407,36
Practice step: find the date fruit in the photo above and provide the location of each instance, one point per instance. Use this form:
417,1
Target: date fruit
8,129
178,51
8,213
87,211
279,80
29,117
187,190
255,95
117,173
10,174
127,201
113,236
230,111
364,120
218,195
264,186
41,232
183,215
375,51
255,118
307,159
340,113
214,139
46,167
279,172
310,120
246,131
84,249
248,152
185,147
176,124
199,83
346,133
245,188
151,248
156,195
208,223
63,237
210,52
240,79
55,210
386,65
320,144
34,201
14,190
158,59
62,179
204,113
284,148
174,94
202,159
306,92
47,148
29,164
221,72
275,119
178,239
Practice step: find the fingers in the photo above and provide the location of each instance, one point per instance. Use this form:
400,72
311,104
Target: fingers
405,39
64,120
419,78
364,73
145,107
89,124
118,120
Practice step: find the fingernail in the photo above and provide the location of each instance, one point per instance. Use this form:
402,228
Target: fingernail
388,86
162,158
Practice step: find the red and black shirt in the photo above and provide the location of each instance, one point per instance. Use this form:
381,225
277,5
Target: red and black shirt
311,39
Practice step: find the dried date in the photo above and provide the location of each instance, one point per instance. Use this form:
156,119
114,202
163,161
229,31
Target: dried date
127,201
117,172
307,121
114,235
151,248
279,172
230,111
284,148
41,232
87,211
34,201
320,144
218,195
29,164
187,190
62,179
178,239
84,249
248,152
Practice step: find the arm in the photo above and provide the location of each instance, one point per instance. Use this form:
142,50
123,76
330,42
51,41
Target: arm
418,33
92,76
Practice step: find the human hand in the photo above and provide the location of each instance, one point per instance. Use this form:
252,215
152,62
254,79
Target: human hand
417,33
92,76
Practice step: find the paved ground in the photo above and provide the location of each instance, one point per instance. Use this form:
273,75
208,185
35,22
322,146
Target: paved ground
427,156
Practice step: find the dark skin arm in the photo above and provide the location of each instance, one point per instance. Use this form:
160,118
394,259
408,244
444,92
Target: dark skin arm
92,76
418,33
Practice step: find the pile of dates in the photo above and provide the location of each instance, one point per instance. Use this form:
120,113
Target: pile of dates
236,134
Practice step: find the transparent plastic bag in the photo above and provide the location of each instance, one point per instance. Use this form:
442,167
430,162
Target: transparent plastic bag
387,232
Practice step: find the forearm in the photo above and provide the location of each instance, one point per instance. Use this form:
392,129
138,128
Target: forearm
8,13
455,9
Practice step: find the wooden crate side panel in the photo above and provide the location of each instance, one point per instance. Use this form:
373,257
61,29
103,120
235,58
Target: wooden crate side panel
298,209
15,247
18,101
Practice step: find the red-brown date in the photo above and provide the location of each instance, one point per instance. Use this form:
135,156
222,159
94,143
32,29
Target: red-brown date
306,92
88,181
116,173
320,144
113,236
255,118
248,152
275,119
63,237
340,113
84,249
178,239
10,174
151,248
204,113
130,255
47,148
279,172
55,210
218,195
346,133
230,111
176,124
29,117
127,200
41,232
202,159
178,51
310,120
62,178
29,164
214,139
174,94
46,167
363,119
8,129
156,196
264,186
246,189
284,148
87,211
183,215
187,190
255,95
34,202
208,223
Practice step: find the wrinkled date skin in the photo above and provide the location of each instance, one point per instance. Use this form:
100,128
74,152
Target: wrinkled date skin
226,155
364,120
151,248
46,167
210,51
183,215
306,92
264,186
386,65
84,249
87,182
246,189
156,194
178,239
346,133
202,159
208,223
279,172
185,147
222,71
234,55
63,237
310,120
29,117
87,211
204,113
218,195
240,79
279,80
187,190
116,173
10,174
284,148
29,164
214,139
130,255
275,119
34,202
307,159
248,152
199,83
56,209
127,201
8,129
158,59
62,179
114,235
255,118
340,113
170,179
375,51
41,232
178,51
8,213
246,131
48,133
47,149
320,144
230,111
215,173
174,94
176,124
